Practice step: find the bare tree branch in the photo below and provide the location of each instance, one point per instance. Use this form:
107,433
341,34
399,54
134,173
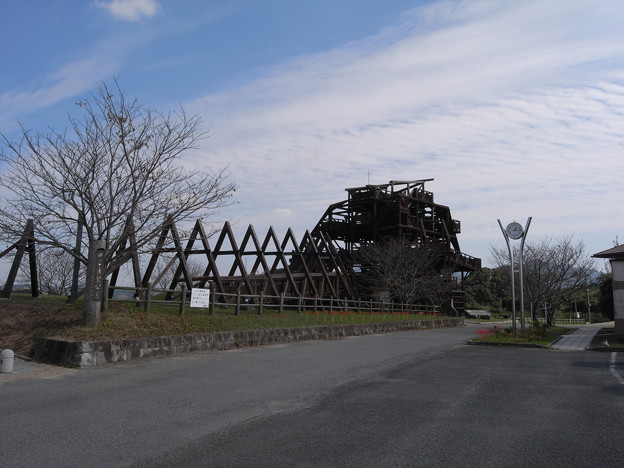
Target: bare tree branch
554,271
117,161
410,274
55,269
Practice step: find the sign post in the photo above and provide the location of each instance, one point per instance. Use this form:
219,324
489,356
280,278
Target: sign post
200,298
94,282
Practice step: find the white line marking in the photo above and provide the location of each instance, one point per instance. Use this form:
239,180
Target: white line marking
614,372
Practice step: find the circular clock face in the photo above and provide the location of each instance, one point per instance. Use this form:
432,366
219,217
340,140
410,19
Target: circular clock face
514,230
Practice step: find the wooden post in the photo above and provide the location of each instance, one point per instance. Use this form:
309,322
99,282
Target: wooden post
299,302
148,299
315,303
182,299
281,304
94,281
17,260
238,303
105,297
213,299
261,305
331,304
32,262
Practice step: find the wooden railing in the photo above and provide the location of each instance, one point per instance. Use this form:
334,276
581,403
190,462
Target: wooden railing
145,297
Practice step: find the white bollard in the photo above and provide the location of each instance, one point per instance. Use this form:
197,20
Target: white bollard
6,361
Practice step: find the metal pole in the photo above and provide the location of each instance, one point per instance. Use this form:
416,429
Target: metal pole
588,307
526,230
513,279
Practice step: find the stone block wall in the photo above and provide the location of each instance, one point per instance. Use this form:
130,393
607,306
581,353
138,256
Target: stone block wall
90,353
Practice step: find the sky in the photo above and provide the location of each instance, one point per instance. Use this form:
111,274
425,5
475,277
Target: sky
514,108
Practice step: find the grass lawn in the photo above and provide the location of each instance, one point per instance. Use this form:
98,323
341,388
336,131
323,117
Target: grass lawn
607,339
23,319
538,335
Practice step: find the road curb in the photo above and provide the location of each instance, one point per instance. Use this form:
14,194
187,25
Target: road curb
511,345
91,353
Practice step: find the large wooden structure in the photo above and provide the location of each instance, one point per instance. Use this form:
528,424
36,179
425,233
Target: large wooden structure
320,265
398,209
312,267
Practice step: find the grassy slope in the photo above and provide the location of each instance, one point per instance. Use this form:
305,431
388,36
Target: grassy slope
23,319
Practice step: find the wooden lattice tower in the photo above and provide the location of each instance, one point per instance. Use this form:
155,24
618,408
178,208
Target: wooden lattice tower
272,267
398,209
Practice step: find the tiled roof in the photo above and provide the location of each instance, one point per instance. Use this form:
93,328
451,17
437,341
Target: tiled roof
615,252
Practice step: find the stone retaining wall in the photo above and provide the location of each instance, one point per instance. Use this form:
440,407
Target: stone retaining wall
91,353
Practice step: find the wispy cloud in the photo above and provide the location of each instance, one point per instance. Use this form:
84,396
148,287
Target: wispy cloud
515,108
70,80
95,63
130,10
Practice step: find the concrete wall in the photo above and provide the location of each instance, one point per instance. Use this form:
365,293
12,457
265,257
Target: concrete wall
90,353
618,295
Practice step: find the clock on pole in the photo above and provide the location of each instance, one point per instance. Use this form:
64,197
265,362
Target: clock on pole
514,230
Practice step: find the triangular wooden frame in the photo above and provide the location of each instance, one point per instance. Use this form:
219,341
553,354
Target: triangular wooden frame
25,244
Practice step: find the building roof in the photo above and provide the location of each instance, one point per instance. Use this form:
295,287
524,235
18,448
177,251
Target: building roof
615,252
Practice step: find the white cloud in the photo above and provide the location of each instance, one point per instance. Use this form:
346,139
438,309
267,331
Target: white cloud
515,108
283,212
101,61
131,10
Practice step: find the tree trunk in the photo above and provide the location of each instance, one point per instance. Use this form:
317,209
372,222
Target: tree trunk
94,282
76,274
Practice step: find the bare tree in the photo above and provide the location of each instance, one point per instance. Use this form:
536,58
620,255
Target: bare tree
554,271
116,172
410,274
55,268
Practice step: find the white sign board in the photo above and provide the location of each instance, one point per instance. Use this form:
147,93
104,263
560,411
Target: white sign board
200,297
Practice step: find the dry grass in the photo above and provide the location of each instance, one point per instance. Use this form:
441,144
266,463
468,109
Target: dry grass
23,319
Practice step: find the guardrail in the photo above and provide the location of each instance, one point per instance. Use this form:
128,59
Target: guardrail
561,320
144,296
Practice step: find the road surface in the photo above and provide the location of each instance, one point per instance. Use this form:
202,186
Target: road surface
421,398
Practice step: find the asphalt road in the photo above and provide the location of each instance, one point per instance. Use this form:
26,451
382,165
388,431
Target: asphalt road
420,398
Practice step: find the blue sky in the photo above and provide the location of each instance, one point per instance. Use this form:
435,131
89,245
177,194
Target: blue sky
515,108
